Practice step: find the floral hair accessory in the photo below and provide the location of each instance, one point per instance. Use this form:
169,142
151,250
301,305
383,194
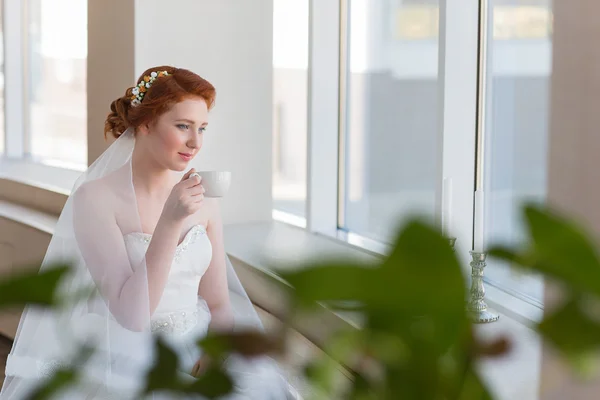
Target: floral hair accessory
139,91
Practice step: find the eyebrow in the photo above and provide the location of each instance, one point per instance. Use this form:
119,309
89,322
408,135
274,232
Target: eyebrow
189,121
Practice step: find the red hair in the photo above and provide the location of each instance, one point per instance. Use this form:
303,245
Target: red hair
165,92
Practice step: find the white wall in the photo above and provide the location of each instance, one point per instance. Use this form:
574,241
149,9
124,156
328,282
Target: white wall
228,42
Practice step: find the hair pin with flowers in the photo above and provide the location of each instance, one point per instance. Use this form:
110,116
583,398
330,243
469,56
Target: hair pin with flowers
139,91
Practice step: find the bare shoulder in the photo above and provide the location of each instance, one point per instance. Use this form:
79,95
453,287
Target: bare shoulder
88,192
98,192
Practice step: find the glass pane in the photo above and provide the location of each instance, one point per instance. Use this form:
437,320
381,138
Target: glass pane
57,65
392,114
290,66
517,127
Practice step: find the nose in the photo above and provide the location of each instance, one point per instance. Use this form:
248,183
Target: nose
194,142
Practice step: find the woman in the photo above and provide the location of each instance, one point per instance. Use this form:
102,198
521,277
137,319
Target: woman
144,237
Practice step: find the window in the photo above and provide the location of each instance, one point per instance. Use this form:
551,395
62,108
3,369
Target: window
403,123
290,67
56,116
516,130
513,19
391,127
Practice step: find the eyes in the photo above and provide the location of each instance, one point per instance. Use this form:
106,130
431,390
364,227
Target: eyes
186,127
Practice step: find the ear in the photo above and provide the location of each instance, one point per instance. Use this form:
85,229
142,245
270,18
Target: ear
143,129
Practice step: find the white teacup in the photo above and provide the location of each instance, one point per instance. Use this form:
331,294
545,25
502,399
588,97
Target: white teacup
216,183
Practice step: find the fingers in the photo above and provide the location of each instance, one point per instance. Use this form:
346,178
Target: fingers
199,367
198,198
195,194
196,190
190,181
187,174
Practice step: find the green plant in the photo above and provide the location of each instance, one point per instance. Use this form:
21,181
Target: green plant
416,342
566,256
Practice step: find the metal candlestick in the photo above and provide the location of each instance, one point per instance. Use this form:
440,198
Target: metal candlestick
477,309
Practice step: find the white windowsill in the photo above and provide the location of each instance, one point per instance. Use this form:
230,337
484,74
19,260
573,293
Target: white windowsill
276,246
56,179
266,247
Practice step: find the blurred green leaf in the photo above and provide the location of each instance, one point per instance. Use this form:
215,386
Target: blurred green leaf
453,367
457,366
163,374
413,381
32,287
427,281
508,254
352,306
331,282
213,383
362,389
214,345
571,331
60,380
562,250
322,374
414,300
250,343
83,294
474,388
423,264
63,378
165,377
389,349
345,343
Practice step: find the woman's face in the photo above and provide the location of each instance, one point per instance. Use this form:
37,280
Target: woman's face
175,137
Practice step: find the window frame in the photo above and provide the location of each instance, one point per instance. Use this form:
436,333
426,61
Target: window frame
462,84
17,129
327,119
14,78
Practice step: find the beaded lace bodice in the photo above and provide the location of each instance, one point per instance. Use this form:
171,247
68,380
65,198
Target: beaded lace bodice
179,307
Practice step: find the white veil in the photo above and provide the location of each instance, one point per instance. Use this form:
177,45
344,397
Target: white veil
114,319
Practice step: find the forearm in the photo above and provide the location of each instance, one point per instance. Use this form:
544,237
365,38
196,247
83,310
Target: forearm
148,281
159,258
222,319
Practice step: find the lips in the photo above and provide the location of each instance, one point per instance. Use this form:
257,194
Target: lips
186,156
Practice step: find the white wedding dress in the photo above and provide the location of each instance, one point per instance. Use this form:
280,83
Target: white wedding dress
182,317
100,236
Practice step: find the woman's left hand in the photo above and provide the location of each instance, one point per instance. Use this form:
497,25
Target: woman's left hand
201,366
203,363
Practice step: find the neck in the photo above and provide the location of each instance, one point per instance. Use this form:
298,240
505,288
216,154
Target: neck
149,177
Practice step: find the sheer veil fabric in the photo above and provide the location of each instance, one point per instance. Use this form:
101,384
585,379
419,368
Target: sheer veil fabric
115,319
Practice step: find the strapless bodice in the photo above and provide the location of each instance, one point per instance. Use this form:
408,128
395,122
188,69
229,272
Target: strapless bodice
179,307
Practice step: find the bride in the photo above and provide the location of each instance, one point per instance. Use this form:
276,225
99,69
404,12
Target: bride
143,236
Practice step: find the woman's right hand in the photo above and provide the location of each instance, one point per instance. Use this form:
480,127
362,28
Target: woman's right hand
186,197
